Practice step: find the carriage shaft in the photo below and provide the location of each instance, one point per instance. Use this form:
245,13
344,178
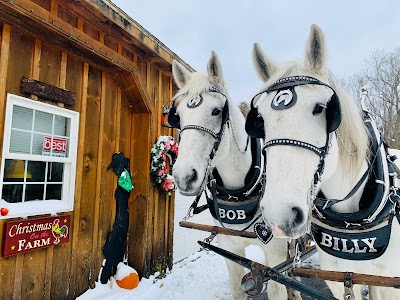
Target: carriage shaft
217,229
357,278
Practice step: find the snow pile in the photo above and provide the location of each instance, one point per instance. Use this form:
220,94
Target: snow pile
123,271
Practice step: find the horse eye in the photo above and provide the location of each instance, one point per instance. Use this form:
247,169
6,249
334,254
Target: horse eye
319,107
216,112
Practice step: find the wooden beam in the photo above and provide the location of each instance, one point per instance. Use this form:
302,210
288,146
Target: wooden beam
80,24
101,37
126,30
99,168
41,23
36,59
79,170
118,120
53,7
63,71
4,61
357,278
19,266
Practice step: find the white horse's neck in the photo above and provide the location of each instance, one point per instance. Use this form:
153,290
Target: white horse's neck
339,185
232,160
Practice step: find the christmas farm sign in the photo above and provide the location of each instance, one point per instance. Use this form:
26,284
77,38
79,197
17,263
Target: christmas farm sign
27,235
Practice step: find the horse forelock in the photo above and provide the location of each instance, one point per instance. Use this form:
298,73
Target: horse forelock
291,68
197,84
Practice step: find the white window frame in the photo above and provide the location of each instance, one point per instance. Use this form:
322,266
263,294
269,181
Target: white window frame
31,208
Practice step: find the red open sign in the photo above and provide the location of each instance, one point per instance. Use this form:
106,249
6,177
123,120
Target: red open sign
57,145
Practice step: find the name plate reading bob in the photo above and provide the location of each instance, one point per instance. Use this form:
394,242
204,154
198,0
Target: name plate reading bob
27,235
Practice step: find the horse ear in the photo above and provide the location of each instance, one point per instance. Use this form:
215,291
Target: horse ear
214,70
315,56
264,66
180,73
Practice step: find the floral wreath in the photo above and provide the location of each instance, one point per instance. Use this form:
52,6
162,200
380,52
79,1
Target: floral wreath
166,147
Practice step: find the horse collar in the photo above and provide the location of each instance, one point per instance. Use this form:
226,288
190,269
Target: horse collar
238,206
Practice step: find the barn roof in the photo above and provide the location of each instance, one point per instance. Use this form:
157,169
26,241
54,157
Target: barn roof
111,18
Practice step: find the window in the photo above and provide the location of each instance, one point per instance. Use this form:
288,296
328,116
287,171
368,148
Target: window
39,158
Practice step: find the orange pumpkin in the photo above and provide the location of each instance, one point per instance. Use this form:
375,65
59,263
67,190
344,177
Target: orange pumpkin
129,282
126,277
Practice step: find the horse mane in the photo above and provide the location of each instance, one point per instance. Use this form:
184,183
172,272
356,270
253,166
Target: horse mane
197,84
353,133
352,130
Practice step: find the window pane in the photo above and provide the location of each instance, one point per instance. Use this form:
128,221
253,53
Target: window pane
60,126
43,122
53,191
20,142
38,143
34,192
55,172
12,193
14,170
36,171
22,118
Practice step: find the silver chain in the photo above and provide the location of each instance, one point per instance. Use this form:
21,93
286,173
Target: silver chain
236,143
296,259
344,146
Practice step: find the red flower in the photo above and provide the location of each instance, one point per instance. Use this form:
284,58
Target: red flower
168,184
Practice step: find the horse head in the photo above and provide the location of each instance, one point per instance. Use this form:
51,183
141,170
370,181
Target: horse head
301,108
201,111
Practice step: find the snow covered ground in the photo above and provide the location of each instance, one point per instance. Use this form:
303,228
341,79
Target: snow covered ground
203,275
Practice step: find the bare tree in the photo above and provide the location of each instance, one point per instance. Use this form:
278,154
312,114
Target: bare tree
381,76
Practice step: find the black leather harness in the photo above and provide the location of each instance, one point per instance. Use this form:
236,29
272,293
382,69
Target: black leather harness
364,234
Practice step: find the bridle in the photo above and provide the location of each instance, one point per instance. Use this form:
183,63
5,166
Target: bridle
174,121
320,151
255,123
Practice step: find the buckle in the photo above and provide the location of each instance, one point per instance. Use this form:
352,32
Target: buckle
327,204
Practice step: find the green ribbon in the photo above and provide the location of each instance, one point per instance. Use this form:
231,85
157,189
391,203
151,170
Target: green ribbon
125,181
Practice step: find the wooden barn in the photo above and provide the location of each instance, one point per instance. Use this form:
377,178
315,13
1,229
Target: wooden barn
79,80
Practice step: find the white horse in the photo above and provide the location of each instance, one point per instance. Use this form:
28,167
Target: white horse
201,104
292,178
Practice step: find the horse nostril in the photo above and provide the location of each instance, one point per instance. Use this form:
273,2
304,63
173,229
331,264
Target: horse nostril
298,216
193,177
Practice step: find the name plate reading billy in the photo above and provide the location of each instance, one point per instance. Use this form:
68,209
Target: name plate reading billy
359,245
27,235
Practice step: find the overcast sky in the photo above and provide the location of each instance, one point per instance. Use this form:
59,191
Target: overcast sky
353,29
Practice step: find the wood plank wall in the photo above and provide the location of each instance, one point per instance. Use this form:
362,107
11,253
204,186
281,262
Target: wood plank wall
107,124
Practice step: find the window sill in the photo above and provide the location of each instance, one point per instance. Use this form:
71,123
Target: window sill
33,208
